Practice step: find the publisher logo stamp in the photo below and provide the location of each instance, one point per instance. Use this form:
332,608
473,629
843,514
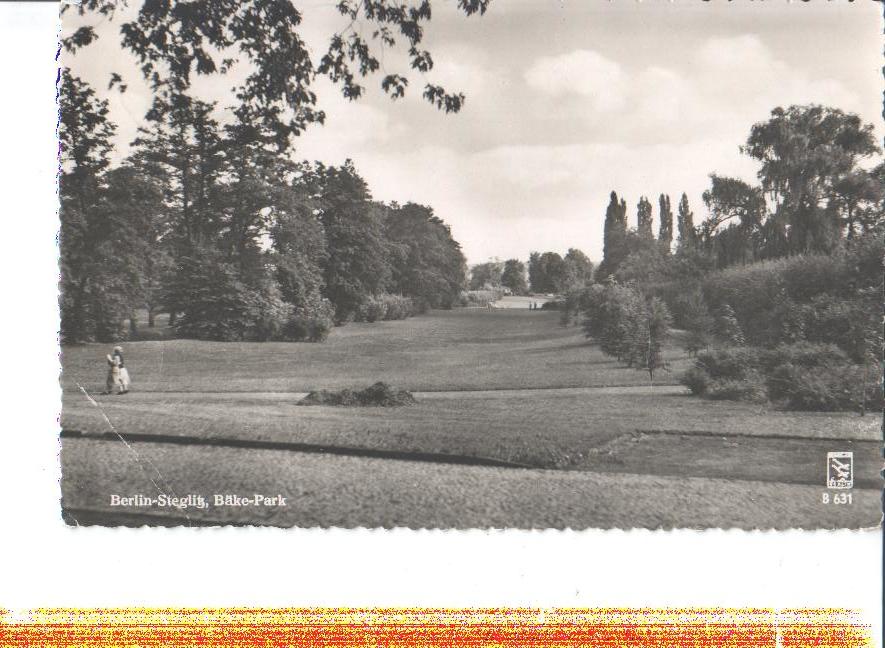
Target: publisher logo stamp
840,469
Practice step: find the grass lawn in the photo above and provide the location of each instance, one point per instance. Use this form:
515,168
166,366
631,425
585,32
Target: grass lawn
445,350
506,385
631,432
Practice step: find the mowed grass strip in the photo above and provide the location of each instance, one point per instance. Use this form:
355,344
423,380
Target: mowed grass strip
334,491
653,433
462,349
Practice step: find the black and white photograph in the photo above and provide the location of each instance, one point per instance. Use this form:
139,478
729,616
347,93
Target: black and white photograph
471,264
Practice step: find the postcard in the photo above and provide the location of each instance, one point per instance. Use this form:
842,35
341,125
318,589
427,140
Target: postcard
470,265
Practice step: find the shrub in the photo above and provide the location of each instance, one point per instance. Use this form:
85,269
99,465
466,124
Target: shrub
805,376
823,388
728,327
806,275
693,315
818,297
311,322
749,292
750,388
803,354
733,363
480,297
370,310
421,306
575,302
216,303
397,307
271,314
385,307
840,321
697,380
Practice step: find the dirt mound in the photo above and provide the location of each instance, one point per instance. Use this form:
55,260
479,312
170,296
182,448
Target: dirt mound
378,395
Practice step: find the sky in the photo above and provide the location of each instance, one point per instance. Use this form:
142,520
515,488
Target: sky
567,100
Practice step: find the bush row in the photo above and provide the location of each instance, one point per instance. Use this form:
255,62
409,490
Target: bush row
387,307
825,298
480,297
803,376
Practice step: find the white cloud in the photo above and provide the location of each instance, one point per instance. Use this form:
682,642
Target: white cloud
741,72
584,73
733,82
350,126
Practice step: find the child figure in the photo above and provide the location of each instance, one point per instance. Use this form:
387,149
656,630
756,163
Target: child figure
118,375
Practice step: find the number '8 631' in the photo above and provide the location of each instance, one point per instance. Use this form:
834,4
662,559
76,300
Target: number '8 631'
837,498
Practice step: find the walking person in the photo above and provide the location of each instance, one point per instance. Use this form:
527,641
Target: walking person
118,375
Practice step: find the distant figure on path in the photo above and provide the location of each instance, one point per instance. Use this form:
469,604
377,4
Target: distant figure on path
118,375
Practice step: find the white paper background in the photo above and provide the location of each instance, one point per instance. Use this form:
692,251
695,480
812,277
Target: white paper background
48,564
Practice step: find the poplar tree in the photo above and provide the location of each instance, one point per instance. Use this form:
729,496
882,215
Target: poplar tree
643,219
685,224
614,237
665,230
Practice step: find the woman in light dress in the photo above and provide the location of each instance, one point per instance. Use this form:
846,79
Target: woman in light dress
118,375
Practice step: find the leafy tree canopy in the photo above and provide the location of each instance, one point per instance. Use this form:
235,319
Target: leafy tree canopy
174,41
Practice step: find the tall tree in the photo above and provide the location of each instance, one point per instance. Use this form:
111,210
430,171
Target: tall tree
143,258
805,152
734,232
547,272
358,262
514,277
181,146
614,242
856,200
427,263
299,248
578,269
534,270
92,300
665,229
486,275
644,220
685,224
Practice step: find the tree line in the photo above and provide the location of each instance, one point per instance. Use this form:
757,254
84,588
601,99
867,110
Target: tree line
219,226
778,291
232,237
547,272
814,195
